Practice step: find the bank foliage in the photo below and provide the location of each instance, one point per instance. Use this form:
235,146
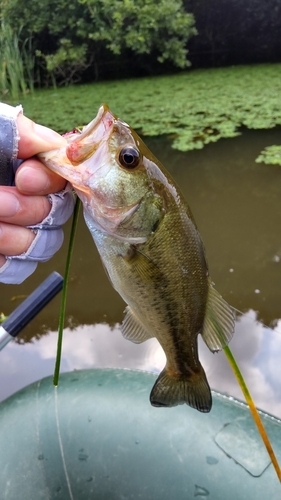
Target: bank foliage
69,37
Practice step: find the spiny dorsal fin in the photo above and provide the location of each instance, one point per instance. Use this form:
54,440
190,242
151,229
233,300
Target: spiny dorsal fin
193,390
219,321
132,329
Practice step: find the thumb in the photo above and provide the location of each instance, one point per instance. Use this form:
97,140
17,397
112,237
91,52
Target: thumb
35,138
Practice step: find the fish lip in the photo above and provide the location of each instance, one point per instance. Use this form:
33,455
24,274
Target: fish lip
80,146
104,116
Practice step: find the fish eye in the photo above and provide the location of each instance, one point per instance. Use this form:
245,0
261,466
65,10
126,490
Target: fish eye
129,157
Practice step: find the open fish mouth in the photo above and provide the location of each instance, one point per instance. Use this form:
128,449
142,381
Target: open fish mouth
80,147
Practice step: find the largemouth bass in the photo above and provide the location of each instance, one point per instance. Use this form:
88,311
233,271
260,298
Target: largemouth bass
151,250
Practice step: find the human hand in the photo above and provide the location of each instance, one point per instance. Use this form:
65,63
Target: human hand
26,204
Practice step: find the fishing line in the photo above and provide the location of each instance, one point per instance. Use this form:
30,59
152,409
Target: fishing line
67,478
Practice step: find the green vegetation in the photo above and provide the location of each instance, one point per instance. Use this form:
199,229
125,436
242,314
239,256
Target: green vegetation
66,65
16,63
64,290
193,108
158,31
271,154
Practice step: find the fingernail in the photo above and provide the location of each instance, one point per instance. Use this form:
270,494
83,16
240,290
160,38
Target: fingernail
49,135
9,205
32,180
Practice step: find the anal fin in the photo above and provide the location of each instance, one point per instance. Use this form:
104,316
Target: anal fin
219,321
132,329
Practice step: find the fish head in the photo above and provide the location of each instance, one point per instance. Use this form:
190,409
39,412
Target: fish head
108,166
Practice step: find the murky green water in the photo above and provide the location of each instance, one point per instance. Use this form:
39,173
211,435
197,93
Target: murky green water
237,206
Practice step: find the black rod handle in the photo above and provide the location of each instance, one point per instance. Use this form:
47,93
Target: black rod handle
30,307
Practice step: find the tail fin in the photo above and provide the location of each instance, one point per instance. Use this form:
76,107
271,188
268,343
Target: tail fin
193,390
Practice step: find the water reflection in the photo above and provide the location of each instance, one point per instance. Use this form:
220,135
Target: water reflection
257,348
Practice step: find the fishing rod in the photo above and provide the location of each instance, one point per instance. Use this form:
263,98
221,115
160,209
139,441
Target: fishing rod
30,307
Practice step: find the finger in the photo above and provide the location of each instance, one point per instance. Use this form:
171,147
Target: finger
14,240
32,177
16,208
35,138
2,260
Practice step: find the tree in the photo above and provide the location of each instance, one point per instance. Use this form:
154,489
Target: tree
142,26
103,27
67,63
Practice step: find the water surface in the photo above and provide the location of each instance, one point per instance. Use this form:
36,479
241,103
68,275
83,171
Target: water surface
236,204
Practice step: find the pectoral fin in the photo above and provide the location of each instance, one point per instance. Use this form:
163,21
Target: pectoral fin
143,267
132,329
219,321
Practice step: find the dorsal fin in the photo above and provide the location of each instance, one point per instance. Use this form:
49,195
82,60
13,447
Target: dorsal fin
132,329
219,321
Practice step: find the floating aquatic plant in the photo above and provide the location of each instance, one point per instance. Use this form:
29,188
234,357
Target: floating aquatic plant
3,317
193,108
270,154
